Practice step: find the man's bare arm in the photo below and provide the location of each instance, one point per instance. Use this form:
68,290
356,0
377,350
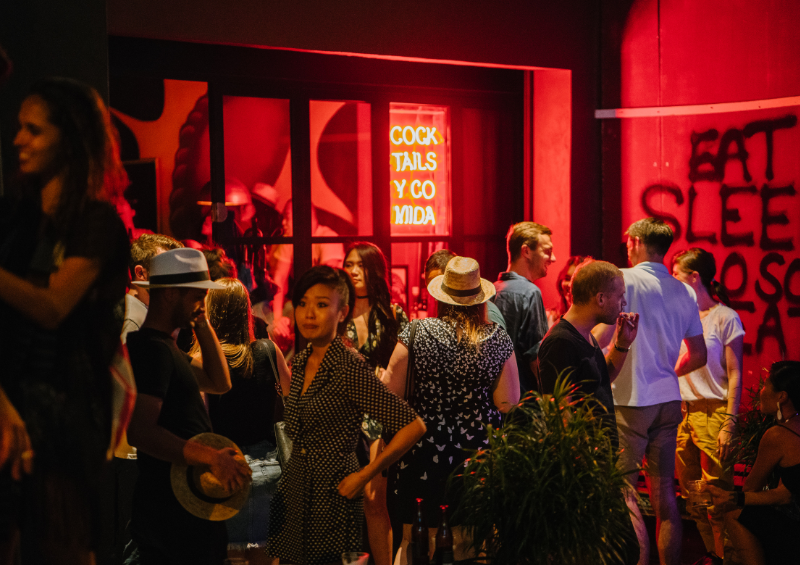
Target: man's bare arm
211,368
156,441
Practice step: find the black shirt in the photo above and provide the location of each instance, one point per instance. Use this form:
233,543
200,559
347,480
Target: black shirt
58,378
565,348
164,371
245,414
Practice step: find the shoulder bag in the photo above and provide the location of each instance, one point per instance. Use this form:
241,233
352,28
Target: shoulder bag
281,436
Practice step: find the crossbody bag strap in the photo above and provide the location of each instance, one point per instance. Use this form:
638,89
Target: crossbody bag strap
271,355
411,371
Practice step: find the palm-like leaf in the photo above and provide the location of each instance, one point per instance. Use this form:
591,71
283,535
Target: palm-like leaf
546,489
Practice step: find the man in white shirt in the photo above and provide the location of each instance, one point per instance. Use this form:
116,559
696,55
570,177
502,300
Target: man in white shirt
646,393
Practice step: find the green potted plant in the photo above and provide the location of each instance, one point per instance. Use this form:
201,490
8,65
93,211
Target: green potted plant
546,489
750,426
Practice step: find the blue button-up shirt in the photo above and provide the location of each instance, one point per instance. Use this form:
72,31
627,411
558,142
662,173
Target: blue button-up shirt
520,302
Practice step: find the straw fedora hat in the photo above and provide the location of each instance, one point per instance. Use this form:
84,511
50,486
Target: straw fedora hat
185,267
199,491
461,284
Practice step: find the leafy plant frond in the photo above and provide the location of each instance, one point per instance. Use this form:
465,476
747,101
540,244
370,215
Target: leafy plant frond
751,425
546,489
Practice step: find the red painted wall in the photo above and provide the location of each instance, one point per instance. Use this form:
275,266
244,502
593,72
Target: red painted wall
744,202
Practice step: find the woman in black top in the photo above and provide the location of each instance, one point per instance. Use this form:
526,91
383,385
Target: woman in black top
317,512
766,529
373,331
63,273
245,414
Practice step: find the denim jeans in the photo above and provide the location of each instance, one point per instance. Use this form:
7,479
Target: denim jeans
249,527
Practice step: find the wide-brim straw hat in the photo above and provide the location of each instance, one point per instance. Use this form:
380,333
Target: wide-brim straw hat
183,267
461,284
200,492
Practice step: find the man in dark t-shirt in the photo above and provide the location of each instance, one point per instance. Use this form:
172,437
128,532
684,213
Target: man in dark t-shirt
170,411
569,348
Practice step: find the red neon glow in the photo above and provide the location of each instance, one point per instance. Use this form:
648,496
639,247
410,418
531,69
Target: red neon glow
420,183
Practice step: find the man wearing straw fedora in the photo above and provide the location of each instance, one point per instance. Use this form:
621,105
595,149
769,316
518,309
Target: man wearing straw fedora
170,412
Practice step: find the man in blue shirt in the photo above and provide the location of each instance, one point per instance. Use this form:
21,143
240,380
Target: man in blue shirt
530,252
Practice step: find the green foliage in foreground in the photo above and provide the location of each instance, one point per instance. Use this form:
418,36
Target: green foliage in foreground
751,425
546,489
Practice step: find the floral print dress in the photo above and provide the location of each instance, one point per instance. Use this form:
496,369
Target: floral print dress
453,396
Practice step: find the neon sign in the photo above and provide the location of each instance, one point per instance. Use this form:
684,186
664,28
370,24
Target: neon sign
420,191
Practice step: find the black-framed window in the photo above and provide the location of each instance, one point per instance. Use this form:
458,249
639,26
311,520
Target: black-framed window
324,122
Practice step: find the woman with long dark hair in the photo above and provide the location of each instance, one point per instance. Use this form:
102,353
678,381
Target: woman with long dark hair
376,322
763,524
373,332
317,512
466,376
63,273
711,394
245,414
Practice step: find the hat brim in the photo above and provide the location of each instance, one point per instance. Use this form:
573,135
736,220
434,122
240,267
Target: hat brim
214,511
210,285
486,292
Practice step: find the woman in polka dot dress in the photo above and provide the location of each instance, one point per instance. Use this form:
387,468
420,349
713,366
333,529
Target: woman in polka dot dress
318,510
466,375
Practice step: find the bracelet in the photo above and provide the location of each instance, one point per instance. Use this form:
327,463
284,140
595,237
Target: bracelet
621,349
740,499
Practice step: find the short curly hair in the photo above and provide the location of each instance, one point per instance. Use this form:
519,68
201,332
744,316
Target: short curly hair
592,277
146,246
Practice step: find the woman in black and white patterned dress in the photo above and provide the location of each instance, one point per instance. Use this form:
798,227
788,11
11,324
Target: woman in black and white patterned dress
466,375
318,510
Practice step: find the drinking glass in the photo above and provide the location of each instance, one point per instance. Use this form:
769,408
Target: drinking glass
699,497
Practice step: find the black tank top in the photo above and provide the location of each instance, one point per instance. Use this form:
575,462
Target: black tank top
790,475
245,414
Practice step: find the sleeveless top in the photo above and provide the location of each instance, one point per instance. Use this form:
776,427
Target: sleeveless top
790,475
245,414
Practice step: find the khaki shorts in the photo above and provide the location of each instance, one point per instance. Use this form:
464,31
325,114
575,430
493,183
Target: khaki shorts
649,432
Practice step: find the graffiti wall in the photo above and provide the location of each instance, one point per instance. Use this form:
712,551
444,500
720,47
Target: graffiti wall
725,178
727,183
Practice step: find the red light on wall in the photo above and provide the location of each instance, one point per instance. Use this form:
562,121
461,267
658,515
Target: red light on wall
420,169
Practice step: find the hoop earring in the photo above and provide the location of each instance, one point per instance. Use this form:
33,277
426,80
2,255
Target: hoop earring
779,415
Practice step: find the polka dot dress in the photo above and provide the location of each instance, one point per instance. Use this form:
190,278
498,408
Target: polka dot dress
310,522
454,398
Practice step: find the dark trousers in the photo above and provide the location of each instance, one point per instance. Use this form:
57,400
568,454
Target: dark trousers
117,502
166,534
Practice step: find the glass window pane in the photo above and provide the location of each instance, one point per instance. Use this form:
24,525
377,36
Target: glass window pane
163,127
258,195
341,168
419,137
408,276
258,162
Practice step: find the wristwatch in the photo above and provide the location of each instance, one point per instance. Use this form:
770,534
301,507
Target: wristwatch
621,349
